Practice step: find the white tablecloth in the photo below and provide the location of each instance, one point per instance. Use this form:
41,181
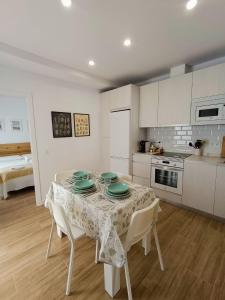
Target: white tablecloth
100,218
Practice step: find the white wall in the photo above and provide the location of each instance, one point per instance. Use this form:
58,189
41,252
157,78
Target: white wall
13,108
45,95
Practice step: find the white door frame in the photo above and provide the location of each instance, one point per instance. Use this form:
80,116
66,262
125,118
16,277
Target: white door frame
33,139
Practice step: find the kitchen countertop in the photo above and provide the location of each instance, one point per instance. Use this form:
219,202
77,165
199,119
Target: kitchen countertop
207,159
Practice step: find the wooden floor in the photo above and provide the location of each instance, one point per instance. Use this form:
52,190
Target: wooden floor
193,248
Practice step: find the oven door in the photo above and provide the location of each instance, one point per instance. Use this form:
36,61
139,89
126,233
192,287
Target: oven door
167,179
209,112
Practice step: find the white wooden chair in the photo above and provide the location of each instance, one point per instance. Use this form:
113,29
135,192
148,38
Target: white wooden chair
61,176
142,222
73,233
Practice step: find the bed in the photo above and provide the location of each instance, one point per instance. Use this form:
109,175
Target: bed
16,170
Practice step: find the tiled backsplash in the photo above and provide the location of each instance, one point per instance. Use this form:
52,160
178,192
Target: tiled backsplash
177,138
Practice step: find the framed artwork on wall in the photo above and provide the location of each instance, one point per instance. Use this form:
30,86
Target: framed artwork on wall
81,124
16,126
61,124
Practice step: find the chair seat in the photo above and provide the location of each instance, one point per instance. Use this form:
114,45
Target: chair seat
76,232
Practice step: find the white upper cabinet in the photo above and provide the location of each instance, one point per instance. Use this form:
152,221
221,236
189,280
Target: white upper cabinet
175,100
121,97
219,206
149,98
209,81
105,114
199,185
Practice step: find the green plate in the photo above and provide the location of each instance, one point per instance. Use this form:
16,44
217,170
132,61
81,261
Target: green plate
80,174
119,197
108,175
118,188
84,184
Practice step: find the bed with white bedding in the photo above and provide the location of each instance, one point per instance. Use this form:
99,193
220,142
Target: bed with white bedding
16,172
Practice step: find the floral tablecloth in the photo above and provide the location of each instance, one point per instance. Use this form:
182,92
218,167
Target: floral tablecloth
100,217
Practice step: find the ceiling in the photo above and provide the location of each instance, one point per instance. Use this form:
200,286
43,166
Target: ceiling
163,34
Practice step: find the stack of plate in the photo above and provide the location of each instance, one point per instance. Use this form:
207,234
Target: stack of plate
84,186
80,175
118,191
108,177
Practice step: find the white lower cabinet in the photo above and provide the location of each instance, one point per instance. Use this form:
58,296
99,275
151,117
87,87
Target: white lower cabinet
141,180
142,169
199,185
219,205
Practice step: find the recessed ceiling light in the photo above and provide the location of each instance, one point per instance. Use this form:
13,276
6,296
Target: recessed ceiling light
191,4
91,63
66,3
127,43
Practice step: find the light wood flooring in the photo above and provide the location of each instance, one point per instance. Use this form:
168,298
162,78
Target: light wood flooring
193,248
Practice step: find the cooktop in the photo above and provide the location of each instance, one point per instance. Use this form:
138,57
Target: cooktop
175,155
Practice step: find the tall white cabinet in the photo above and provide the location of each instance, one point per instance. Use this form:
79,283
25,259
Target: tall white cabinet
175,100
121,99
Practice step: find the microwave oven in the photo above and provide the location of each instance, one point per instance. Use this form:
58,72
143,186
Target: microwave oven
208,110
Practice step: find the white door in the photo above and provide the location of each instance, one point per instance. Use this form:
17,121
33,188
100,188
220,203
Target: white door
120,134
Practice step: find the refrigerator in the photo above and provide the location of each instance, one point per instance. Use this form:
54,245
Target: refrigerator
120,148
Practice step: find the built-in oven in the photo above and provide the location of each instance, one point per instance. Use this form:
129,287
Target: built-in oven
167,178
209,110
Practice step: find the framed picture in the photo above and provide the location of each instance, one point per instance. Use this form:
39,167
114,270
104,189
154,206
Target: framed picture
16,126
2,126
61,124
81,125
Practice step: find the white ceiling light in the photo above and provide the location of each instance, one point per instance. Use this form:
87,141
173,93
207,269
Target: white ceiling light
191,4
127,43
66,3
91,63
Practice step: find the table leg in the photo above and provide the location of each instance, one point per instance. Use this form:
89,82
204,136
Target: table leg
112,279
146,243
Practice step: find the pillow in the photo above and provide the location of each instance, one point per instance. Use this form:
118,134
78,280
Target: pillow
11,158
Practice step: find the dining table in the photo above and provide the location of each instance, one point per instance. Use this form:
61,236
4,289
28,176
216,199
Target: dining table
103,218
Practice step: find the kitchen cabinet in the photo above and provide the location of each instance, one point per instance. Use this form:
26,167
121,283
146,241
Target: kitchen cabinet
149,98
209,81
105,114
199,185
121,97
142,169
175,100
219,205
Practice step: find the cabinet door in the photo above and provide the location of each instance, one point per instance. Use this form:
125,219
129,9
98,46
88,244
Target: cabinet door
199,185
209,81
149,98
141,169
142,181
175,100
121,98
105,114
219,205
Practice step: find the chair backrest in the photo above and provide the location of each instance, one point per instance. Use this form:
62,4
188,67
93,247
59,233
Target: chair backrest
141,223
60,218
124,177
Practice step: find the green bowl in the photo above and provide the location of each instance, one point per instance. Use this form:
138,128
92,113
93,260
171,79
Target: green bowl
108,175
118,188
84,184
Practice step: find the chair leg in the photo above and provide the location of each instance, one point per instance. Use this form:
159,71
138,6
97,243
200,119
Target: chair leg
127,275
158,248
50,239
70,270
97,251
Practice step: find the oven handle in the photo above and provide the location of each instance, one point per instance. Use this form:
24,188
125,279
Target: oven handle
167,168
